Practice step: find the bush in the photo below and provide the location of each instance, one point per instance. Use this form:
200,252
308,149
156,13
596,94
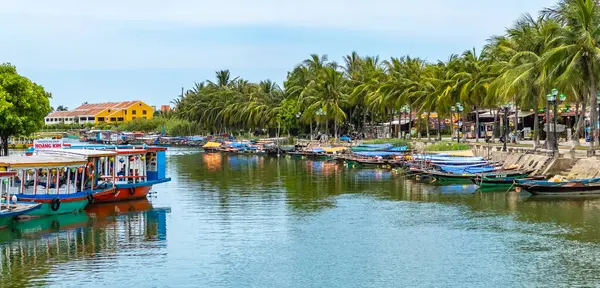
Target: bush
447,146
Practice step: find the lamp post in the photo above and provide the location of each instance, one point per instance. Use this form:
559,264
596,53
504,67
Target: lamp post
403,114
457,108
596,128
505,108
554,100
321,113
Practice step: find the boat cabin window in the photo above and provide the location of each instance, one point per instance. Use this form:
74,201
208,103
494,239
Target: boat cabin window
51,180
130,168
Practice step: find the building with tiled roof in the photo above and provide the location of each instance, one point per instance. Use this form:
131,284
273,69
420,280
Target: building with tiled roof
110,112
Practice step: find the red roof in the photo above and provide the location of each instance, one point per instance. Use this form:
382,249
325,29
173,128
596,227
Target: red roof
93,109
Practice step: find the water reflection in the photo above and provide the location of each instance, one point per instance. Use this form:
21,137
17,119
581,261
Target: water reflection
30,248
312,186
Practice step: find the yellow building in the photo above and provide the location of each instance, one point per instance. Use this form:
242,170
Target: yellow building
111,112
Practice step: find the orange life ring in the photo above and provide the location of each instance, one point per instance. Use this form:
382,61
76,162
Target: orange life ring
89,171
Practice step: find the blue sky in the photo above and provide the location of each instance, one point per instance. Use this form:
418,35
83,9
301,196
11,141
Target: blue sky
115,50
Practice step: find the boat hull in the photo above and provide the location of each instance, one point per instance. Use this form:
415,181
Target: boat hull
560,190
64,208
5,221
125,194
496,182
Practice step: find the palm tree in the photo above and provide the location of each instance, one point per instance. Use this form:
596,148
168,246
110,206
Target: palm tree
518,59
330,93
473,82
576,53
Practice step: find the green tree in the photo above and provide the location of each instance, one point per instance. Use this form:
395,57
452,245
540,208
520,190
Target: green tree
23,105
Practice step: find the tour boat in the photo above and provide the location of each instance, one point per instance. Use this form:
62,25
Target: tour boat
61,184
132,169
9,209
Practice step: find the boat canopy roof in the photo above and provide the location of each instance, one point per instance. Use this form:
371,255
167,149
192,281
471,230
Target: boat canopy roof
334,149
377,153
34,161
130,151
81,152
385,145
212,145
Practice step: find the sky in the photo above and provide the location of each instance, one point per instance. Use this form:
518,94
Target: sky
117,50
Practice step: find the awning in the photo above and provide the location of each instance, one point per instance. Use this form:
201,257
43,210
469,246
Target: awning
523,114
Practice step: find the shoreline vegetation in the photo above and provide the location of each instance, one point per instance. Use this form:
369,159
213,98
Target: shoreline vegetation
555,50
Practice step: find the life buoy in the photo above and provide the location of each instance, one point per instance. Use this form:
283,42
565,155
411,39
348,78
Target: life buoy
131,191
55,205
90,172
90,198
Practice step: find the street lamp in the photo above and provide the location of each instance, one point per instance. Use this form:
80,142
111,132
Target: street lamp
505,108
554,100
456,108
403,114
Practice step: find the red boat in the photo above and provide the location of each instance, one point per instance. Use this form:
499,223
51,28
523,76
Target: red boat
130,170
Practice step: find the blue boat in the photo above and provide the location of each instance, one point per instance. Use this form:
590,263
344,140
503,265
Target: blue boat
445,158
9,208
371,147
378,154
467,170
59,183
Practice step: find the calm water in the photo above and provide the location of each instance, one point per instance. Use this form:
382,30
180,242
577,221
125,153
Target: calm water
263,222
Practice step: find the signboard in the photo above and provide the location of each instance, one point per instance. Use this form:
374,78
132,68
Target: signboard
48,144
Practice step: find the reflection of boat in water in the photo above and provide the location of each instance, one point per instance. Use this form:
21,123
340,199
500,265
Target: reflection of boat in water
455,188
118,208
237,162
140,212
563,198
371,174
40,226
33,247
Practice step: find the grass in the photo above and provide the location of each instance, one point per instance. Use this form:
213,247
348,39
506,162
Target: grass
447,146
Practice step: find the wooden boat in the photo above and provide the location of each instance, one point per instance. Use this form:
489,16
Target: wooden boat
132,170
371,147
505,180
568,187
61,184
9,209
448,177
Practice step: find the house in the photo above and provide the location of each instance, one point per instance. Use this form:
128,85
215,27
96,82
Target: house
110,112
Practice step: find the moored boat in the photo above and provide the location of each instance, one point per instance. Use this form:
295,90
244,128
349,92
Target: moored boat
497,180
132,169
9,208
60,184
557,186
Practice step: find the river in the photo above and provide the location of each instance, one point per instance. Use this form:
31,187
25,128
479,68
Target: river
252,221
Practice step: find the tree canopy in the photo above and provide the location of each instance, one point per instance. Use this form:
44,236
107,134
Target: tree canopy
23,105
556,49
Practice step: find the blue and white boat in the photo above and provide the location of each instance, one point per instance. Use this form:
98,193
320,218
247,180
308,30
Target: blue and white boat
9,208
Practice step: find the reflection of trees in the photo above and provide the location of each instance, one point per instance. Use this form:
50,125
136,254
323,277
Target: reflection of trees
308,185
313,185
31,248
